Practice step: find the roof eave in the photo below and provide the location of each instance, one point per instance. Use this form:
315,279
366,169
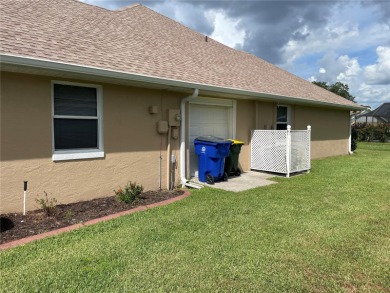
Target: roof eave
101,72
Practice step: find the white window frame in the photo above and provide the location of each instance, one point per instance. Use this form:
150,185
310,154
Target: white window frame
78,154
288,116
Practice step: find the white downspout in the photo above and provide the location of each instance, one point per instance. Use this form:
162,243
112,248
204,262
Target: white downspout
183,136
350,139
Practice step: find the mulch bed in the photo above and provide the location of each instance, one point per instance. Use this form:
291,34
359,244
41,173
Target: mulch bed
15,226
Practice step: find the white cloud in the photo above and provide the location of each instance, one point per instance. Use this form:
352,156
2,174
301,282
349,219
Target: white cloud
338,68
347,69
226,29
350,66
379,73
336,37
373,94
343,33
367,90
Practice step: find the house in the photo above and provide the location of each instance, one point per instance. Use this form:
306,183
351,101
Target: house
92,98
380,115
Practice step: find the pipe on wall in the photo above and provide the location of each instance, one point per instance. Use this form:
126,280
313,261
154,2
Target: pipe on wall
350,139
168,159
183,135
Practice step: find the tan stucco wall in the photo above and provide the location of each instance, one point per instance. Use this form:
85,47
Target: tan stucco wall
330,130
131,143
245,122
266,115
330,127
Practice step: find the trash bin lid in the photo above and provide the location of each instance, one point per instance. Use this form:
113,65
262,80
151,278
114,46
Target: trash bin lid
211,138
234,141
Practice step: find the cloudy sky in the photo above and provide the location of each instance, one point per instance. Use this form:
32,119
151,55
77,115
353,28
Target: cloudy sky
339,40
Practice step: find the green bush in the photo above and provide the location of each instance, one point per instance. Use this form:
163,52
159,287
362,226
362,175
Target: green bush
129,193
369,132
48,205
354,139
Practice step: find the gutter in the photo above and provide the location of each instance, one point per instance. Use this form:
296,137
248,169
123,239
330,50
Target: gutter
101,72
183,179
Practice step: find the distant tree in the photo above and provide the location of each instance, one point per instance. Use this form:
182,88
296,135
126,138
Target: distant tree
322,84
339,88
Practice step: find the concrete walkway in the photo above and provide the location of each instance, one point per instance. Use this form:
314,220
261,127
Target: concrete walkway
247,180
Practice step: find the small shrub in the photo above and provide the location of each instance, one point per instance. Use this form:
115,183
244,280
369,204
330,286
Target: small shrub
68,215
354,139
130,193
48,205
369,132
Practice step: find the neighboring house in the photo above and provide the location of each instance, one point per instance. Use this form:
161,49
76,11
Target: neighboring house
380,115
83,90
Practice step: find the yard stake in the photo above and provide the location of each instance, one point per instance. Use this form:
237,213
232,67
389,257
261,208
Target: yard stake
24,197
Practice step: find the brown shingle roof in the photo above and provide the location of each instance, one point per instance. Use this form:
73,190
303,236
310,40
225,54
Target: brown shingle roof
140,41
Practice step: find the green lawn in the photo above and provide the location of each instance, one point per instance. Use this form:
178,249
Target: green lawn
324,231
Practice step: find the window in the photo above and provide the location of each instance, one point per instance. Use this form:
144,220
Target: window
77,121
282,117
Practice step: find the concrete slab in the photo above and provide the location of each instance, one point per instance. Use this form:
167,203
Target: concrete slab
247,180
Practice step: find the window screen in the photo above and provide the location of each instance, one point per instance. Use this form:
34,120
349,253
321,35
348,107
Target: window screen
75,100
75,134
76,121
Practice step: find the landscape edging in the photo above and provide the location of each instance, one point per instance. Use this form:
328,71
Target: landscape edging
26,240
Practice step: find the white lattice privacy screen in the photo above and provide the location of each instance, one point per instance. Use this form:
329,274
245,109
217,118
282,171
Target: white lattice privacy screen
281,151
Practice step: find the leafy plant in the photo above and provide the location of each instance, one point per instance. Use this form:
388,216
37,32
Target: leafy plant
68,214
47,204
369,132
354,139
338,88
129,193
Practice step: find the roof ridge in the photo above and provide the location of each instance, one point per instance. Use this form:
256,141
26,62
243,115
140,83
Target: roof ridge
175,21
91,5
186,27
131,6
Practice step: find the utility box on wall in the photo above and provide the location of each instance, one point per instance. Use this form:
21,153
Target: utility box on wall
162,127
174,117
175,133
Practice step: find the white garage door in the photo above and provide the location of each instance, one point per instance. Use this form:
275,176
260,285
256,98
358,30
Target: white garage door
208,120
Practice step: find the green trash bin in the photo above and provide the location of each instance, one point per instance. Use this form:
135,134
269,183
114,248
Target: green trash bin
231,161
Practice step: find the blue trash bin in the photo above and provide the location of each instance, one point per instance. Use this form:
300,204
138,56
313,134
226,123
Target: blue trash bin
211,152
